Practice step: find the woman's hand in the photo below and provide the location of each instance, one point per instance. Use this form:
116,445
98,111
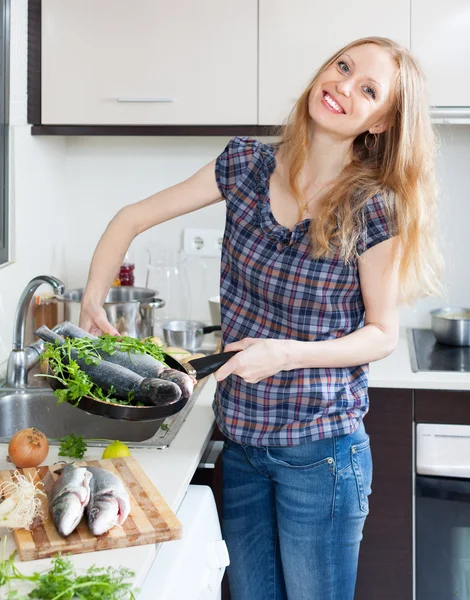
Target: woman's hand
258,359
94,320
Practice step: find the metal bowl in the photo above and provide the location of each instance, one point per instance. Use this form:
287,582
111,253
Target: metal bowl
451,325
186,334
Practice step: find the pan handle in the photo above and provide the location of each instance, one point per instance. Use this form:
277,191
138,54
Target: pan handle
211,328
209,364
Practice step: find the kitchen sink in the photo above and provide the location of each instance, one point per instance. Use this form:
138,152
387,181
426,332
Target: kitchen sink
37,407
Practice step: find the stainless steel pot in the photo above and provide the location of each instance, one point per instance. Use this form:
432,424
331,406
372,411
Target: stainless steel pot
129,309
186,334
451,326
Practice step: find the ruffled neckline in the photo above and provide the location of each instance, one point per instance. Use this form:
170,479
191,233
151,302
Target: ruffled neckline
281,235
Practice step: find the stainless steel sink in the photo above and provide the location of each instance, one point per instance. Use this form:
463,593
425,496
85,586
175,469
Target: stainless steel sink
37,407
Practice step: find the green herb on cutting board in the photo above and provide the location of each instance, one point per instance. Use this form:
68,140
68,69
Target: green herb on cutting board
61,582
73,446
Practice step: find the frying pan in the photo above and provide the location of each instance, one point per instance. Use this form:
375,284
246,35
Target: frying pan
197,368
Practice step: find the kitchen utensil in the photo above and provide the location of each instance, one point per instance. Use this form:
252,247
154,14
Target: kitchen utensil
186,334
178,277
151,520
129,309
451,326
197,368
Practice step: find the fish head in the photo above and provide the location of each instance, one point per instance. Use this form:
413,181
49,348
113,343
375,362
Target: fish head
184,381
67,512
103,515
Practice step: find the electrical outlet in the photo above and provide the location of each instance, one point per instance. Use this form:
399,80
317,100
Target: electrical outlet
203,242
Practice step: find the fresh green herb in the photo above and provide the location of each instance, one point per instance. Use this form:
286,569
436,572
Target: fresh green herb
61,582
164,426
111,344
73,446
77,383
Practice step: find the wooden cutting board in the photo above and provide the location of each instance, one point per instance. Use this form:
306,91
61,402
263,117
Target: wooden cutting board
150,521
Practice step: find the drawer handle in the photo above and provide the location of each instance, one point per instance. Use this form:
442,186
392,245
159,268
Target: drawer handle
161,99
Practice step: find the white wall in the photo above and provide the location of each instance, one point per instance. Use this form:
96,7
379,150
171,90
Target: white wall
104,174
65,190
37,169
454,206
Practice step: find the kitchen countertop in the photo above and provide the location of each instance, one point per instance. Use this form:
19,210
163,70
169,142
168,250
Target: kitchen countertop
170,470
395,372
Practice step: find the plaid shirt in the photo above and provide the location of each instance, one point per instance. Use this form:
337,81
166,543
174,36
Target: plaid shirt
272,288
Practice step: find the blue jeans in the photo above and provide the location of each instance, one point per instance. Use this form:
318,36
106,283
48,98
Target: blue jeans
293,517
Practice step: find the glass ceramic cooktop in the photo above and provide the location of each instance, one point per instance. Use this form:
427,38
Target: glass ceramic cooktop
427,354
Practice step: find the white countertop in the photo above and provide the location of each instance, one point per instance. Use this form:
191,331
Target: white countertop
170,470
395,372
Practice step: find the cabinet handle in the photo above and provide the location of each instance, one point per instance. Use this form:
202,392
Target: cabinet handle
161,99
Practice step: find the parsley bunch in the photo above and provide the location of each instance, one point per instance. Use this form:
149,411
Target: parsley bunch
111,344
73,446
61,582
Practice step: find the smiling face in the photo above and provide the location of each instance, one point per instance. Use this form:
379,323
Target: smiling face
353,95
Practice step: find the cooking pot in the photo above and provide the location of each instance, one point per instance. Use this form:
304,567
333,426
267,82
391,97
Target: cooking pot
451,326
186,334
129,309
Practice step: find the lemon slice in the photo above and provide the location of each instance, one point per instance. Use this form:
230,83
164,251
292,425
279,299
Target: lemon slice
116,450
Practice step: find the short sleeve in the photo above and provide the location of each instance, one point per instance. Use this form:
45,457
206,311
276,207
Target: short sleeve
379,222
231,165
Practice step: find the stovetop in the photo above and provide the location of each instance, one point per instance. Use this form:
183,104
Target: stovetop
427,354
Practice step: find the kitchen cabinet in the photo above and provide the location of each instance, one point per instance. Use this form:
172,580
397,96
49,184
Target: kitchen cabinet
213,479
296,38
440,40
152,62
386,556
442,407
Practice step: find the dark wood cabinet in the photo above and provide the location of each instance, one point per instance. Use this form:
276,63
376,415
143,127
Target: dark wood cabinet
442,406
386,555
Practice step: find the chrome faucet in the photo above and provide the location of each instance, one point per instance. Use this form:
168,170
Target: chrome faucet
22,358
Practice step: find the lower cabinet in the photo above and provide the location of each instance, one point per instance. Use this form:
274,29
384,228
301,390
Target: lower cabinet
386,555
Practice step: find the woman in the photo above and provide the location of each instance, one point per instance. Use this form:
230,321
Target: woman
326,233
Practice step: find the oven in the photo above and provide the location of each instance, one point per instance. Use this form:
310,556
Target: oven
442,516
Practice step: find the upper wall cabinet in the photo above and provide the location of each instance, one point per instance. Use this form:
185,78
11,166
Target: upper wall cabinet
148,62
440,39
297,36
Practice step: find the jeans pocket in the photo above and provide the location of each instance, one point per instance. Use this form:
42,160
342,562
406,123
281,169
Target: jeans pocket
298,457
361,459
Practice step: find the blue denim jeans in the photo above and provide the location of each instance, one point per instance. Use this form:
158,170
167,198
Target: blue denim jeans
293,517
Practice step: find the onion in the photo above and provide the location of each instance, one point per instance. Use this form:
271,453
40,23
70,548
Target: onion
28,448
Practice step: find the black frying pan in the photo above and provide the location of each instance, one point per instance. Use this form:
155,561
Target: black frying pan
198,368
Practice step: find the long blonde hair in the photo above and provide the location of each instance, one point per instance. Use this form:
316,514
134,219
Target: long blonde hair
400,166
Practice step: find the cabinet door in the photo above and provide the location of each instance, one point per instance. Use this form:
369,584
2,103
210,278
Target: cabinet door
149,62
297,36
440,39
386,555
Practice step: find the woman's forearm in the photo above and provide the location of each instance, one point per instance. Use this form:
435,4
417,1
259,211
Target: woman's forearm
368,344
196,192
108,257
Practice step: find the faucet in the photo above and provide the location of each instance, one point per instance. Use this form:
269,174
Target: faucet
22,358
